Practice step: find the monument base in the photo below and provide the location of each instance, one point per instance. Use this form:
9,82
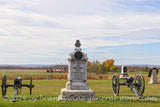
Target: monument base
77,86
76,95
151,82
123,75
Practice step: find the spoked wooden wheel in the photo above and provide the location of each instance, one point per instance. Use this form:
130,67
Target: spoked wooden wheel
4,86
31,85
139,84
115,84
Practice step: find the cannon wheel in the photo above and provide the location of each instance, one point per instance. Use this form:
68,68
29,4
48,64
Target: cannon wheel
31,86
4,86
139,84
115,84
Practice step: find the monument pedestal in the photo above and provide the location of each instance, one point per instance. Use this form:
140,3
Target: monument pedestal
76,95
122,75
124,72
153,79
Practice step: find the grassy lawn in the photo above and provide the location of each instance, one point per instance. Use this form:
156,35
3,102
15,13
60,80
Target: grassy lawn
45,73
45,94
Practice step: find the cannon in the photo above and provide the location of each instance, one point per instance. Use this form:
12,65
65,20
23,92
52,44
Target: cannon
137,87
17,86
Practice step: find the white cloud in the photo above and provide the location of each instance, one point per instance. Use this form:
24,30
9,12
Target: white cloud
48,29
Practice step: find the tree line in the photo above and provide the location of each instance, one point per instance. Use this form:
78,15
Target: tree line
101,68
18,67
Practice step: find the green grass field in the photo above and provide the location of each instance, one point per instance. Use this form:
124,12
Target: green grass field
45,94
45,73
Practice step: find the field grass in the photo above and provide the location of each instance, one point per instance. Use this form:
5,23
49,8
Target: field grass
19,72
41,72
45,94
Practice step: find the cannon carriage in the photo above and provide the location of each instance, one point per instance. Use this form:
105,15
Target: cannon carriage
137,86
17,86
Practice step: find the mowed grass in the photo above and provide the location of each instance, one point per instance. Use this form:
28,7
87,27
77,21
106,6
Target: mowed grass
45,94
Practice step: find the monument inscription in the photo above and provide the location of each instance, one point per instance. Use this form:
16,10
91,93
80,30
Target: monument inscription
78,72
78,67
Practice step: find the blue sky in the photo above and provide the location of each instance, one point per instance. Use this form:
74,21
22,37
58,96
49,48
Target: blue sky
44,31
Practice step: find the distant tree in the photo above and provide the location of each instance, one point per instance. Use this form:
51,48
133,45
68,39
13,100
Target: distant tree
94,67
104,68
114,68
101,68
89,67
145,69
109,63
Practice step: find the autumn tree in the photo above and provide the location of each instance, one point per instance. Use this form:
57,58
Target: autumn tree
108,64
114,68
104,68
89,67
94,67
101,68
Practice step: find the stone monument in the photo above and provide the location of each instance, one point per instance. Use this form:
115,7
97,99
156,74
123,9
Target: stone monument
153,74
48,77
77,88
123,72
